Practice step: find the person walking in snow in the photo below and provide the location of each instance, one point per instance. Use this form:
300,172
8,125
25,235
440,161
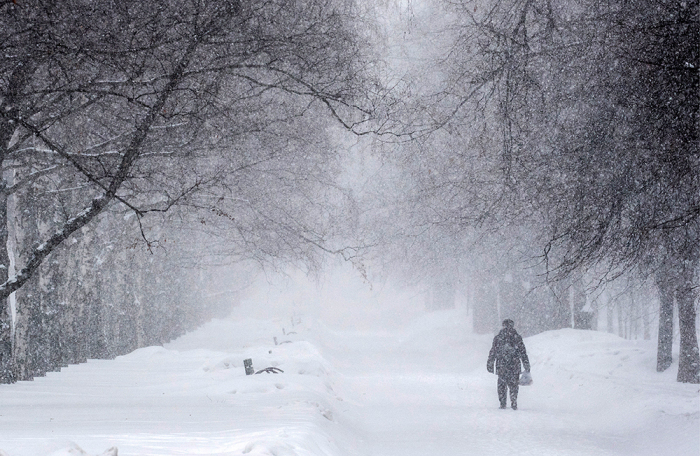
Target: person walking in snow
507,352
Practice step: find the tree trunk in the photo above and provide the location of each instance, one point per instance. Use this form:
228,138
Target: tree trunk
634,316
689,359
10,100
29,326
621,325
561,311
582,317
646,319
610,316
7,365
664,355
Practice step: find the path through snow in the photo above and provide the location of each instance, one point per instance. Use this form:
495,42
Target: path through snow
422,390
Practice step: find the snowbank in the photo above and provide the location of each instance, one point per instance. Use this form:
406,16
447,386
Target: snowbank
419,390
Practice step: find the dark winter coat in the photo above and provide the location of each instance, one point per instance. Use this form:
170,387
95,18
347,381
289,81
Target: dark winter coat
507,352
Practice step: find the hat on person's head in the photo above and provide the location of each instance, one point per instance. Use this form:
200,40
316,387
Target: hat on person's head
508,323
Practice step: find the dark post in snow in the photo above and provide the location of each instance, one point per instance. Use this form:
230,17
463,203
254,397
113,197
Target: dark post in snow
248,364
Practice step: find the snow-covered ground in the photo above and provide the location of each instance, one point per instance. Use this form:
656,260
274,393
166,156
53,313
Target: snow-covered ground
420,388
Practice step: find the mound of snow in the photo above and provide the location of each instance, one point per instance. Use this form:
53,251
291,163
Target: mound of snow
421,389
72,449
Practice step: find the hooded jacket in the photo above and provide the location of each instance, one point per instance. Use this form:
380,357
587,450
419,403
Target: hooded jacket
507,352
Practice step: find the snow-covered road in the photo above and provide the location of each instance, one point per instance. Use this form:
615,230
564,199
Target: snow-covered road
421,390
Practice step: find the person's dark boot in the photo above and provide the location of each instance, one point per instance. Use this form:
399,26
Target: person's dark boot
514,406
502,406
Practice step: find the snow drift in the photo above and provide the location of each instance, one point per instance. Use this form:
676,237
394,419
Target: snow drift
419,390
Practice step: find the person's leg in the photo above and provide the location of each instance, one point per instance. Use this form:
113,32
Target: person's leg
514,394
502,387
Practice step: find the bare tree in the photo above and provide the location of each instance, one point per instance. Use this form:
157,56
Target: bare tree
598,109
146,104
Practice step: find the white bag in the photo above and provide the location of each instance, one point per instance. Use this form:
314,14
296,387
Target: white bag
525,379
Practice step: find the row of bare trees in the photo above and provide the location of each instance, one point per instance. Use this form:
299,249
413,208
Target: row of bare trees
103,296
564,145
599,113
217,108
